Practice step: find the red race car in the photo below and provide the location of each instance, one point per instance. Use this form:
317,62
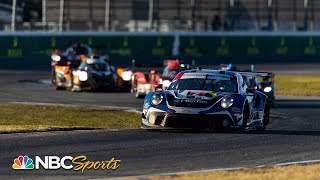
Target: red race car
149,81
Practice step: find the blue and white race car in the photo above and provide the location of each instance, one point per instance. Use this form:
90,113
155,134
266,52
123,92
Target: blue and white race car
206,99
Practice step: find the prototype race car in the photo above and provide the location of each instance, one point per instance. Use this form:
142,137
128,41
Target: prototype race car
94,74
228,67
172,68
145,82
124,79
206,99
263,82
63,64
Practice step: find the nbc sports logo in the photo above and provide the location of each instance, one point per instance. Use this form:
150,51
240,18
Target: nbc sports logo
79,163
23,162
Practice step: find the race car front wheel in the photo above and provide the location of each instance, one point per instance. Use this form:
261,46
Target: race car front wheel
56,86
246,114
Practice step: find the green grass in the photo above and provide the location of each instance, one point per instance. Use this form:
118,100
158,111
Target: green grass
293,172
297,85
16,118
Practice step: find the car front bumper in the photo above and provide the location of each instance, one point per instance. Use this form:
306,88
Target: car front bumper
157,119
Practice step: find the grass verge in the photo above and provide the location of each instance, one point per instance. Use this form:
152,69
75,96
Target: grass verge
297,85
15,118
288,172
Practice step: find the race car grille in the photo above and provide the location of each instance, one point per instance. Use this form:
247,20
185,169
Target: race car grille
191,103
103,80
195,122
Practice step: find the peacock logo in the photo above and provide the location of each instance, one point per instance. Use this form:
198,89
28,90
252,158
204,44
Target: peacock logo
23,162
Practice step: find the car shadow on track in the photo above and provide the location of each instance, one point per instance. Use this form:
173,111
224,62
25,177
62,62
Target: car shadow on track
297,104
288,132
252,132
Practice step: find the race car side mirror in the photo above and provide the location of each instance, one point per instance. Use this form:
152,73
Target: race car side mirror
251,90
158,87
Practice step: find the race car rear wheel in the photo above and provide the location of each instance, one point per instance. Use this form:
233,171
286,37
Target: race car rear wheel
266,118
135,89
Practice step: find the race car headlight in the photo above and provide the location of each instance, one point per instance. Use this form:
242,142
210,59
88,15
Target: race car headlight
166,83
267,89
126,75
226,102
56,58
83,76
156,99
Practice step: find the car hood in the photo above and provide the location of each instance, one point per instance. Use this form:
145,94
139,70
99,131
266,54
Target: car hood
195,94
101,73
193,98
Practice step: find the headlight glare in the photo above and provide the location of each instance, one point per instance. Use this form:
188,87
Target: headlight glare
156,99
126,75
83,76
56,58
166,83
267,89
227,102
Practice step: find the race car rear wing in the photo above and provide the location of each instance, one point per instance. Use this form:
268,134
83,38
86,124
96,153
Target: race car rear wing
145,67
256,74
267,76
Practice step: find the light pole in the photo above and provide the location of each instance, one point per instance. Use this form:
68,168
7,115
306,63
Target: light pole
107,15
61,15
270,26
13,16
44,12
150,15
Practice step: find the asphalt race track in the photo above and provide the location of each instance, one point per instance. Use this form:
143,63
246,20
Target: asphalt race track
293,135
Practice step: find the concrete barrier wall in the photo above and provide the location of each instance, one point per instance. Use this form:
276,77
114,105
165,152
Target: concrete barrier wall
32,50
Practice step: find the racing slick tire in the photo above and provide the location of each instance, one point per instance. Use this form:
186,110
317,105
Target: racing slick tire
75,89
135,90
56,87
53,76
246,114
138,95
266,118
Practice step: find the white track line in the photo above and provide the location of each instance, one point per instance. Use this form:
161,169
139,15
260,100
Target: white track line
219,169
299,162
45,81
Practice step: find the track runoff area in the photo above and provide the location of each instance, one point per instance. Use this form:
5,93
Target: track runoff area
291,138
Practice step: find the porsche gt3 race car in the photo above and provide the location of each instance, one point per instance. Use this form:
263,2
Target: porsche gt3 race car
206,99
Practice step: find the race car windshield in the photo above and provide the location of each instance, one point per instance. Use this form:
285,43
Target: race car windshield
204,84
98,67
79,50
169,73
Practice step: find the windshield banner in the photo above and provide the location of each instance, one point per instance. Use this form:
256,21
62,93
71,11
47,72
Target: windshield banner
205,75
